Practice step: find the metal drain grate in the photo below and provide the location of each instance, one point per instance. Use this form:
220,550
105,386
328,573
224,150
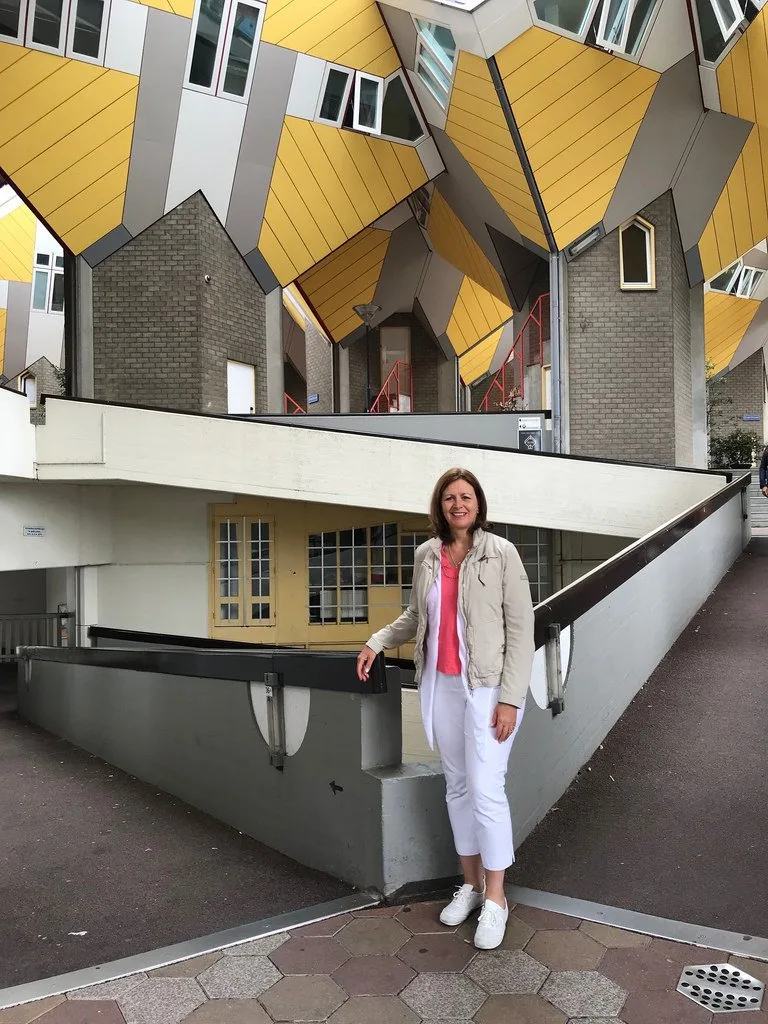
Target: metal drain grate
721,988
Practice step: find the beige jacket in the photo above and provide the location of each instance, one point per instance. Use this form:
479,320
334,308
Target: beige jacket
495,601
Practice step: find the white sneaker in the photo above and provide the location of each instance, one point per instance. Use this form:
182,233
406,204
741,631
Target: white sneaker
464,901
491,925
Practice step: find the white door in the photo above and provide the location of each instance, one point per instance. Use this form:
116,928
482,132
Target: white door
241,388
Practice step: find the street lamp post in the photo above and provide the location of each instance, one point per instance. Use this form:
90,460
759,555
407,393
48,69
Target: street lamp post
367,311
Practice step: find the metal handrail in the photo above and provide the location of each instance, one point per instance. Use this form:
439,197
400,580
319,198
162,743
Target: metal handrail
55,629
399,383
508,384
291,406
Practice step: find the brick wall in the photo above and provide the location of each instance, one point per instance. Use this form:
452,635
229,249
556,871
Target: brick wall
162,334
425,357
47,382
319,369
357,372
629,352
738,393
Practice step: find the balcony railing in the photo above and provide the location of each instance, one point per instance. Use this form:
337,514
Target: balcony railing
508,386
397,393
50,629
290,406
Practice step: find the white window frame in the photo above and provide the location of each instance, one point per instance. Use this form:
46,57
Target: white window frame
223,47
409,93
351,74
51,271
356,124
29,378
621,45
99,58
20,34
650,250
735,10
423,45
67,34
579,36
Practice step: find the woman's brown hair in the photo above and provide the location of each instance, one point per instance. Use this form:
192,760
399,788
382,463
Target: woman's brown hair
437,520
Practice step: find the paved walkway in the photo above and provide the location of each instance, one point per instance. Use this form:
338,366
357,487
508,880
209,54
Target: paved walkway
399,965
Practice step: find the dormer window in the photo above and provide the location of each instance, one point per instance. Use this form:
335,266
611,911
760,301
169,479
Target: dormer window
225,38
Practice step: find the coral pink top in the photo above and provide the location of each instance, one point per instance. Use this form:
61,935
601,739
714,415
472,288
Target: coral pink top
448,659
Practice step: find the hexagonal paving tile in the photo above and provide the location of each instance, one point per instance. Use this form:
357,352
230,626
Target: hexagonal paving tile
374,1010
440,995
303,999
437,953
229,1011
565,950
507,972
583,993
377,912
320,955
239,977
422,918
108,989
84,1011
545,918
614,938
670,1008
646,968
258,947
517,935
525,1009
187,968
372,936
162,1000
373,976
28,1012
330,926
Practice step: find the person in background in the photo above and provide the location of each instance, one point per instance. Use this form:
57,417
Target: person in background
764,472
471,616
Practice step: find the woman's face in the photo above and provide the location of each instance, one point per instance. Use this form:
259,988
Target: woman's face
460,505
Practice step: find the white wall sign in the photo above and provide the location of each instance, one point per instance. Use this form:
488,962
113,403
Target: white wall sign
34,531
528,423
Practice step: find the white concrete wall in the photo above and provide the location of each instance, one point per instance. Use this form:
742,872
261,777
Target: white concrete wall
158,579
17,437
46,336
616,647
75,520
106,443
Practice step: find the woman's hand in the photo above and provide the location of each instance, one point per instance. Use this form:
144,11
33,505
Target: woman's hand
504,719
365,659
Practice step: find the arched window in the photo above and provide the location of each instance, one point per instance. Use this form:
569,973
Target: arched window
637,255
28,383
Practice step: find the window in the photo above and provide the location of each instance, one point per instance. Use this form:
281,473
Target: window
617,25
385,557
338,576
72,28
738,280
399,117
48,283
334,95
244,572
409,542
368,102
435,58
28,383
420,202
225,39
637,255
535,549
719,23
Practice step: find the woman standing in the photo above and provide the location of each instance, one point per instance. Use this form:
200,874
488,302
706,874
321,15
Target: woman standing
471,616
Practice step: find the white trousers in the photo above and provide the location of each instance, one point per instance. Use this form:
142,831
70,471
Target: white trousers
475,768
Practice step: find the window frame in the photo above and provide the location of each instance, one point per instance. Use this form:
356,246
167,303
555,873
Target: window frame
338,588
621,45
356,125
650,248
22,29
66,33
28,377
223,48
71,26
52,270
579,36
244,568
351,75
400,73
423,45
29,24
735,8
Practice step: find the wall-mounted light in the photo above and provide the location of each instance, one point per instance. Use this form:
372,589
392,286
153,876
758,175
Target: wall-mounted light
584,242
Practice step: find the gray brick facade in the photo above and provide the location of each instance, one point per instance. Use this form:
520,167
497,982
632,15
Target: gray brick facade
425,359
48,381
319,370
162,333
738,394
629,352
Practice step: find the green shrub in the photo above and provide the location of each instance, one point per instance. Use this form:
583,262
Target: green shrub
739,448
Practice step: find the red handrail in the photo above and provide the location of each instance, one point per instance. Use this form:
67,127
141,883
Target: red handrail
397,393
527,350
291,406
